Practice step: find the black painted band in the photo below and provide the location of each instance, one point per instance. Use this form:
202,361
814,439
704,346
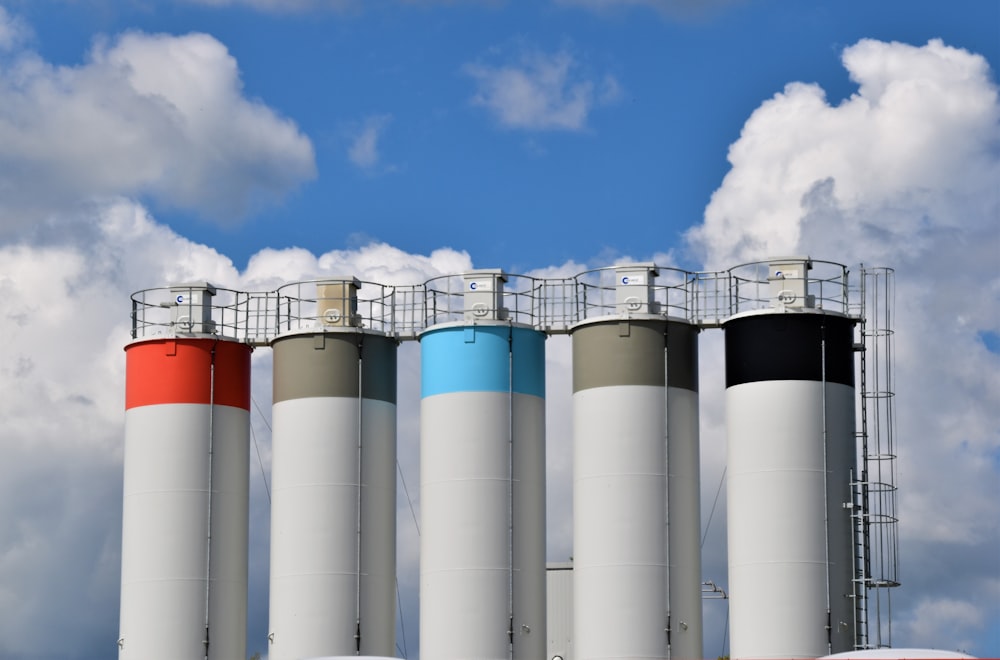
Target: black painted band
789,346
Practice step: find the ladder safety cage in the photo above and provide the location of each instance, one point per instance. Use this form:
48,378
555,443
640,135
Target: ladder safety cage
875,486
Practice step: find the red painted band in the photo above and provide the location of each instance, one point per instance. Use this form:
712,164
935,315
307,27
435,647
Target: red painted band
180,371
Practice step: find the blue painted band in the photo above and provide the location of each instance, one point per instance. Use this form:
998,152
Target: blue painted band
478,359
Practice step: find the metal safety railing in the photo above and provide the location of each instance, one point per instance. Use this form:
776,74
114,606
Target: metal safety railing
551,305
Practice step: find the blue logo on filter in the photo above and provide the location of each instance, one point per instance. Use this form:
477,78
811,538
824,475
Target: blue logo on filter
625,279
473,286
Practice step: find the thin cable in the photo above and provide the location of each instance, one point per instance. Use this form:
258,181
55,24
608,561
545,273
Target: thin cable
260,461
402,621
409,501
708,525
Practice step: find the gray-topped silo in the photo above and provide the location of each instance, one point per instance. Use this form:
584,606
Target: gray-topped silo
636,555
333,475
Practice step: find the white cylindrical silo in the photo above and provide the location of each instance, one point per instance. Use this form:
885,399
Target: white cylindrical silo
482,485
790,405
333,494
624,404
619,492
185,504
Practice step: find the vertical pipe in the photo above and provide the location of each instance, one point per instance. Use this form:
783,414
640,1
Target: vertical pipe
482,545
791,448
186,398
334,405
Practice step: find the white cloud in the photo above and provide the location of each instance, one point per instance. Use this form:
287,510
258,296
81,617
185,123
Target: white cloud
540,91
364,148
13,31
154,115
920,134
903,173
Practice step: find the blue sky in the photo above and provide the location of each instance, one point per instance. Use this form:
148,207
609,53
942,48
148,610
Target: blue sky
448,171
256,142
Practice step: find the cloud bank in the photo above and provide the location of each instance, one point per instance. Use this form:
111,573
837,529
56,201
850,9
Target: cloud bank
155,116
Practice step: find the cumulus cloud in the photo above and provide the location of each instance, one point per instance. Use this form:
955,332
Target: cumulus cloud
364,149
921,130
145,115
903,173
540,91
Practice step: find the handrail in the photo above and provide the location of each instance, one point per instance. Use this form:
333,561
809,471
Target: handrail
551,305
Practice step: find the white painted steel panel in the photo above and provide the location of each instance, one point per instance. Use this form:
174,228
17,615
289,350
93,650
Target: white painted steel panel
228,567
777,514
465,563
559,613
165,523
314,527
684,531
619,520
528,544
378,525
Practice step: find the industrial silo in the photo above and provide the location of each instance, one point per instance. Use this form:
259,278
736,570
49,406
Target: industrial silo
482,474
636,555
185,505
333,477
790,411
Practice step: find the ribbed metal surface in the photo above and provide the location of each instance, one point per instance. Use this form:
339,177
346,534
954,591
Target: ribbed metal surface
559,619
